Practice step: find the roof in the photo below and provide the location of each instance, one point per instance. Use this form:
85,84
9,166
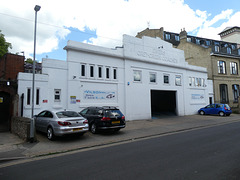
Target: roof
228,28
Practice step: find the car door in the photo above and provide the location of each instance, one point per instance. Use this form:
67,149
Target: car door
219,107
92,115
48,117
210,109
38,121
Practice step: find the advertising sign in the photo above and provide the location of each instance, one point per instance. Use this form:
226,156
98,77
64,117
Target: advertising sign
99,95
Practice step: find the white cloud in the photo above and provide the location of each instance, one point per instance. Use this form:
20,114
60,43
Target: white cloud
229,19
109,18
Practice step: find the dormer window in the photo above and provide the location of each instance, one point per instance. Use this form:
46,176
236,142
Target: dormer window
168,36
229,50
197,41
189,39
208,43
176,37
216,48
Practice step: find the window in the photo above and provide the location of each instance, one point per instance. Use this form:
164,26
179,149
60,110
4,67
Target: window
203,82
189,39
190,81
221,67
37,96
137,76
193,81
176,37
99,71
238,51
233,68
152,77
166,79
216,48
28,96
114,73
235,89
168,36
83,73
223,93
208,43
57,95
83,112
233,47
229,51
197,41
91,71
196,81
178,81
107,72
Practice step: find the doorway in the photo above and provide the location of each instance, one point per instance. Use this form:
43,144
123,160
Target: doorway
163,103
5,100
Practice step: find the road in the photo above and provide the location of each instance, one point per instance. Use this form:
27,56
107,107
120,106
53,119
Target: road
209,153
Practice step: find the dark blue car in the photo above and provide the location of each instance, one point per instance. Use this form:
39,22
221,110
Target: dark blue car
216,109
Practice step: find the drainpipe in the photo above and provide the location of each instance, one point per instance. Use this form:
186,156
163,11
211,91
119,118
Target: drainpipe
22,100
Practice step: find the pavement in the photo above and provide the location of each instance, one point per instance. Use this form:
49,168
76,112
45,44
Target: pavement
12,148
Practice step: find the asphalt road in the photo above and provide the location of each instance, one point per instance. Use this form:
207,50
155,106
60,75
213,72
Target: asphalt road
209,153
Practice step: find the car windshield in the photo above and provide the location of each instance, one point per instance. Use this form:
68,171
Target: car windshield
113,113
64,114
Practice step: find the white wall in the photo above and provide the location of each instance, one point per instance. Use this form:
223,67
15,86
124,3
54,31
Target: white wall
25,83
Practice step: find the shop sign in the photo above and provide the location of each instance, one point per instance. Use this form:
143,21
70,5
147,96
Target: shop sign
99,95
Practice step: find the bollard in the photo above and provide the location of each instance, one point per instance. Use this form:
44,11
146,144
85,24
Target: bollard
32,130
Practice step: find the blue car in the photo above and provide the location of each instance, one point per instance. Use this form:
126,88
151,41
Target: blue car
216,109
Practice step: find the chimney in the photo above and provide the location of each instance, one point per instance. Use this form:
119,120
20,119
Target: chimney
183,34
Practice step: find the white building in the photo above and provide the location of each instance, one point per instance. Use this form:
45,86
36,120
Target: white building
144,78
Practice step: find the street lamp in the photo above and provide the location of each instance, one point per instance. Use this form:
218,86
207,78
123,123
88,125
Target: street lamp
36,9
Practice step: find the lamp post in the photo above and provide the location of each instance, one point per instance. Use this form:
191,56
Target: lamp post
36,9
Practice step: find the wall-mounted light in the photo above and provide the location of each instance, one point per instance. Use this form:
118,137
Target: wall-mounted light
8,83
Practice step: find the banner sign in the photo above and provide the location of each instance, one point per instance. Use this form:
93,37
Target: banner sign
99,95
197,96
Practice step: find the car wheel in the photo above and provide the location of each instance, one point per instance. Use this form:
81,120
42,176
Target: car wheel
221,113
50,134
201,112
93,128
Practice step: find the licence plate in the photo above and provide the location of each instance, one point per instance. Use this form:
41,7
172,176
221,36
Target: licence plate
77,129
115,122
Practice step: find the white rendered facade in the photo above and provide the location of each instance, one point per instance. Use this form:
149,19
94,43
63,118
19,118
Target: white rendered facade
124,77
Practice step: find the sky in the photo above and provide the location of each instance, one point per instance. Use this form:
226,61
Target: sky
103,22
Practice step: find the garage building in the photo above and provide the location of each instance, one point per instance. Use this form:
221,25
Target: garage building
145,78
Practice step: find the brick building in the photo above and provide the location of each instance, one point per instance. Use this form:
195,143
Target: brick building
220,57
10,66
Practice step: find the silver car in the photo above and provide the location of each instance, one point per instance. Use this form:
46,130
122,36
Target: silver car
58,123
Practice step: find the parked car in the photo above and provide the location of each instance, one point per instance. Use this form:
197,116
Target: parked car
103,118
217,109
59,123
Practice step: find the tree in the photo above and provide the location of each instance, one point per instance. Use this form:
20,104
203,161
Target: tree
4,45
29,60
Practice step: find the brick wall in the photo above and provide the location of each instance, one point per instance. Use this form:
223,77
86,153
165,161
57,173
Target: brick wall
11,65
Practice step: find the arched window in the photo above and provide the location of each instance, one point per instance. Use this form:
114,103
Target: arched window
235,89
223,93
229,50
